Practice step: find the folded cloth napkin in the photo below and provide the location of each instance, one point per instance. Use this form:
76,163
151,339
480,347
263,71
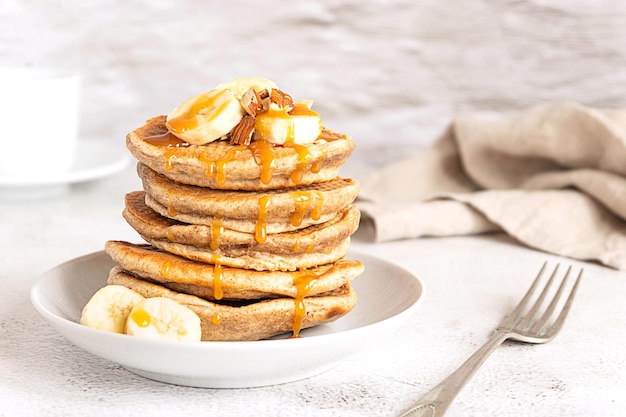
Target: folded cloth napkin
552,176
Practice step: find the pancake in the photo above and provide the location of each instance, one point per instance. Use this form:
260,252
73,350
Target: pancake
250,321
225,283
220,165
263,262
275,211
303,248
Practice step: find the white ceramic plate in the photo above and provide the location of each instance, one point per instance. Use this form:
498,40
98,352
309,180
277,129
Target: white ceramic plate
95,159
387,293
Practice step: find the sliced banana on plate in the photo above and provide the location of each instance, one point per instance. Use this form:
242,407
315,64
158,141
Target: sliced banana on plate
115,308
109,308
163,318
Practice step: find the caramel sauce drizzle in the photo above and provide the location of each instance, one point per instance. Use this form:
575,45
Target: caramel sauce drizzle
317,165
165,269
169,141
297,247
220,164
303,281
264,156
260,229
216,319
171,210
318,203
189,119
216,232
300,109
304,154
218,274
262,122
141,317
303,200
329,137
166,139
304,157
210,166
169,154
309,248
217,167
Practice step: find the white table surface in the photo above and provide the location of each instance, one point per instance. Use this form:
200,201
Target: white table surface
470,282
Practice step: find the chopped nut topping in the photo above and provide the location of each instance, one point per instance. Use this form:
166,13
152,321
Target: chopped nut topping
242,133
280,98
251,102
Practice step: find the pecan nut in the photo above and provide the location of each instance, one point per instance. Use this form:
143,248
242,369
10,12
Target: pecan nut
242,133
252,102
281,98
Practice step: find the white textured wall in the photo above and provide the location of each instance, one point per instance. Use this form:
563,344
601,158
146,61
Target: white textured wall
379,70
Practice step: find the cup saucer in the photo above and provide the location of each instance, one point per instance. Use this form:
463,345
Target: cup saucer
94,159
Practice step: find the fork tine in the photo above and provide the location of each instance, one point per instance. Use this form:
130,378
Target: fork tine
530,317
556,326
539,325
516,314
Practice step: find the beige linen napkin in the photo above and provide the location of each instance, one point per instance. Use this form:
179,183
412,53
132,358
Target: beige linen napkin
552,176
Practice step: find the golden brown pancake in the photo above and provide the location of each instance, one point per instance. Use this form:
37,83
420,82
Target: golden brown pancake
272,262
278,210
211,282
303,248
250,321
220,165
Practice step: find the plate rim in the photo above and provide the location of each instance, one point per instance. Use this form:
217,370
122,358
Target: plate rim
351,254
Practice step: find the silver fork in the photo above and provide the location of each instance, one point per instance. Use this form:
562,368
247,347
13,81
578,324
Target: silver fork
531,324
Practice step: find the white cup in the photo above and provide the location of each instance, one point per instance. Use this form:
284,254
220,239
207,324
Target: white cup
39,118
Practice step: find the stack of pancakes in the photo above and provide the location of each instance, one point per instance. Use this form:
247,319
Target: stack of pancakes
250,237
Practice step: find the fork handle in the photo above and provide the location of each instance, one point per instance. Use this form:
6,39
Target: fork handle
437,400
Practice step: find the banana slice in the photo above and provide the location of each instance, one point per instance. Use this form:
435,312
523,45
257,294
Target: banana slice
206,117
210,116
109,307
163,318
301,125
239,86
